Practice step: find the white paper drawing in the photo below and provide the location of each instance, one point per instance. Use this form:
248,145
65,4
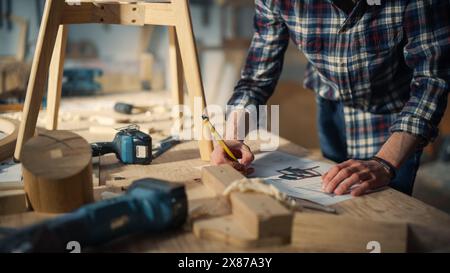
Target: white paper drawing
295,176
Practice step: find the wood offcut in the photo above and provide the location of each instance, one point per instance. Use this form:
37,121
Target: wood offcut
256,219
57,172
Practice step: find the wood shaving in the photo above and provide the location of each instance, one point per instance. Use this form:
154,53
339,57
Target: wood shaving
259,186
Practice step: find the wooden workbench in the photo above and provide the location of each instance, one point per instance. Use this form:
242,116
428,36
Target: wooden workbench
428,227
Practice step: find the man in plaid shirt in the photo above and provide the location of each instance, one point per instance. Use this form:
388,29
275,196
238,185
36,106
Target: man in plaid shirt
381,75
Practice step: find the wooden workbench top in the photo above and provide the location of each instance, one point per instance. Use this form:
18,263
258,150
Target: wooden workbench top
429,227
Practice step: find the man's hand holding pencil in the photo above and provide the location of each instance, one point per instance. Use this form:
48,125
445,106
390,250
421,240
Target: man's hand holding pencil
232,152
240,150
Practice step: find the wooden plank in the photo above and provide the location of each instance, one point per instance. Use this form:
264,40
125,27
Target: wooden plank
12,202
315,232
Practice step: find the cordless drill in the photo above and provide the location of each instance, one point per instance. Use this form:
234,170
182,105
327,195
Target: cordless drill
149,206
130,145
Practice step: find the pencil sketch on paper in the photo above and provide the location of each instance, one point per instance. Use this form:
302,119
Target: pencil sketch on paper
291,173
297,177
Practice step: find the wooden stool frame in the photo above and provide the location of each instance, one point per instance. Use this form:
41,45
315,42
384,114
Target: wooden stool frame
49,56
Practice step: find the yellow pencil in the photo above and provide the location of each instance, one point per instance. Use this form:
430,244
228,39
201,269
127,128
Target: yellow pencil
218,138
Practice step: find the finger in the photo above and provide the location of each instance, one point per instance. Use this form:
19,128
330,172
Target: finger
329,175
335,170
338,179
250,171
239,167
347,184
323,183
361,189
219,157
247,156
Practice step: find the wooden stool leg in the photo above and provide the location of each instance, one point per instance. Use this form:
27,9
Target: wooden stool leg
39,72
191,67
55,78
176,72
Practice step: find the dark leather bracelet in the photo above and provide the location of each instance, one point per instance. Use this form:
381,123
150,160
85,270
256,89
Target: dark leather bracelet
388,166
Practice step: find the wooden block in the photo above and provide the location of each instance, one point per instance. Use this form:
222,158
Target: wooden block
217,178
57,172
259,214
262,215
12,202
313,232
229,231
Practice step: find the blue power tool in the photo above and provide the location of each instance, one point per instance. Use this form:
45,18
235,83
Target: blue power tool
149,206
130,145
81,82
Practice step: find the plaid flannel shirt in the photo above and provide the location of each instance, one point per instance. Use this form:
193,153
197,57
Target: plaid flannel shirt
388,64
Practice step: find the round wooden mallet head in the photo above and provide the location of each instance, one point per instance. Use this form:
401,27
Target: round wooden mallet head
57,171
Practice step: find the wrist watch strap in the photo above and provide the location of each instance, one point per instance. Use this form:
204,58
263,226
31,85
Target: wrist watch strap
388,166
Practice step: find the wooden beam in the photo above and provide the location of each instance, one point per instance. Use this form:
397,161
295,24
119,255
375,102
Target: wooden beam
134,14
256,217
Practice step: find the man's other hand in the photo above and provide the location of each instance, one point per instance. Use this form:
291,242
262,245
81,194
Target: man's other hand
356,177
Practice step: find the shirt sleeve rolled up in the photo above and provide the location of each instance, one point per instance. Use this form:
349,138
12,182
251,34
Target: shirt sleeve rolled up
264,62
427,53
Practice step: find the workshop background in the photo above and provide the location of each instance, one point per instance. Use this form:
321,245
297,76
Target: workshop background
122,59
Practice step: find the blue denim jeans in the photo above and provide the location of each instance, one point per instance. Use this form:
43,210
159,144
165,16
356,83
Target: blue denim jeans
332,139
